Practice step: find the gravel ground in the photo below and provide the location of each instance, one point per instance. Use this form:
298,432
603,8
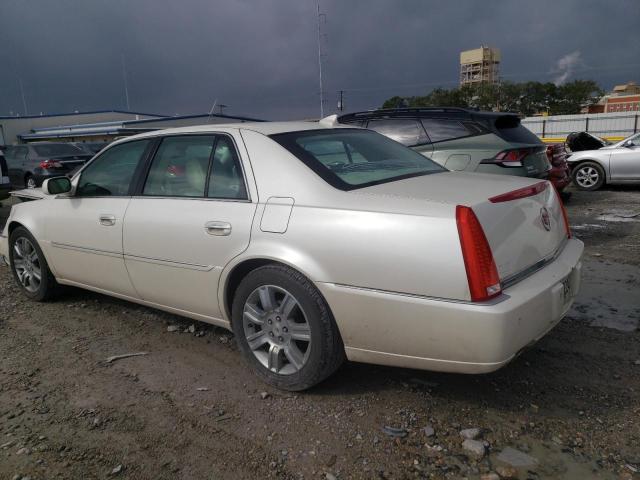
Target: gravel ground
190,409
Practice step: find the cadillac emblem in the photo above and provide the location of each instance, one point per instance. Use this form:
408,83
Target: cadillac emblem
545,219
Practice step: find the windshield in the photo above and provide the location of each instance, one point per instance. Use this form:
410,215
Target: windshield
354,158
56,150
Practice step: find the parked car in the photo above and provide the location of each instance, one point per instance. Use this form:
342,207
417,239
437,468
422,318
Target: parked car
5,184
612,164
312,242
560,174
29,165
579,141
462,139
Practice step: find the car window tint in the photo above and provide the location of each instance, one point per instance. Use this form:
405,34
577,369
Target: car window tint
110,174
510,129
180,167
354,158
406,131
56,149
226,180
441,129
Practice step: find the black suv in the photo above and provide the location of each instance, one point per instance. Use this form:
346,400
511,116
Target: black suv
462,139
31,164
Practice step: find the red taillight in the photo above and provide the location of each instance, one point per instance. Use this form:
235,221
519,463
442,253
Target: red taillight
47,164
482,273
564,214
512,158
520,193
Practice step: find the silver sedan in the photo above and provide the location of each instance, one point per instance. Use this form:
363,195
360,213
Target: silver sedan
614,164
313,242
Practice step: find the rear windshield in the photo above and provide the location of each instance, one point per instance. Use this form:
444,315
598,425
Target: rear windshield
510,129
350,158
57,149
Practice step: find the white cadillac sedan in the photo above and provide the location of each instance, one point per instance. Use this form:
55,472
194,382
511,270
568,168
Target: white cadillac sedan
312,242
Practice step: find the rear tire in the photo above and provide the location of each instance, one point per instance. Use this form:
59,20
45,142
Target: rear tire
30,268
588,176
284,328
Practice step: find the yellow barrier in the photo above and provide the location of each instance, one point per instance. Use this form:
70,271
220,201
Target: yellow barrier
562,139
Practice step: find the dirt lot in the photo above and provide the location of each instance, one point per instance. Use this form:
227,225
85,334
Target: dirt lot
191,410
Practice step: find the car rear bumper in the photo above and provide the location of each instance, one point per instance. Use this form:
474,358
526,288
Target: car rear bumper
434,334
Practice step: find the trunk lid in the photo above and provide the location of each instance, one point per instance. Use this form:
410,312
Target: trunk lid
515,229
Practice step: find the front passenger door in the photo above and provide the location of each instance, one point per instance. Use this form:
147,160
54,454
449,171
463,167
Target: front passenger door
85,230
624,162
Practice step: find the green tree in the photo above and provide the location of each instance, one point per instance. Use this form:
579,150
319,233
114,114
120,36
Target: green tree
526,98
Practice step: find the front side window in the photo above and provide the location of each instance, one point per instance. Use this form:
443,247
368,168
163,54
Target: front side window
440,130
407,132
180,167
110,174
350,158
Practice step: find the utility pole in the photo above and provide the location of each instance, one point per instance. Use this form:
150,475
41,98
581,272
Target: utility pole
24,101
320,17
124,78
341,101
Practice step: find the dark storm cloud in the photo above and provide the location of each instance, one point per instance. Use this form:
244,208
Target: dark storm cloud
260,57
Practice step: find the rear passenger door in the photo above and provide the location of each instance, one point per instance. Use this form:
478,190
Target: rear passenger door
190,217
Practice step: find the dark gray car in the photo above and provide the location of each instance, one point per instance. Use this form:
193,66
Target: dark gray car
5,185
29,165
462,139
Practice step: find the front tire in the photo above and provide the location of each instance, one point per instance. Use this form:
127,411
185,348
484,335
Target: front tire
588,176
285,329
29,267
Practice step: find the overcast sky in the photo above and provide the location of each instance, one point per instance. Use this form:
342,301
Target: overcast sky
259,57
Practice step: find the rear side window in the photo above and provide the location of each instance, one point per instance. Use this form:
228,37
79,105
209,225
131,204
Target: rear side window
195,165
406,131
110,174
180,167
226,180
440,130
511,130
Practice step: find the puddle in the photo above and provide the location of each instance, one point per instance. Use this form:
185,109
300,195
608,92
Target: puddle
609,295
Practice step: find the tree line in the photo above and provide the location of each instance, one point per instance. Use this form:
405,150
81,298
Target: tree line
526,98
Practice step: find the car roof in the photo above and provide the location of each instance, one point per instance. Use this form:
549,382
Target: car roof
422,112
266,128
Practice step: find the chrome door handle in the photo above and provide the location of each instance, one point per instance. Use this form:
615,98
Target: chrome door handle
218,228
107,220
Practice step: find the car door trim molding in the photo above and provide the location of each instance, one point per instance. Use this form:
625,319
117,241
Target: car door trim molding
171,263
86,249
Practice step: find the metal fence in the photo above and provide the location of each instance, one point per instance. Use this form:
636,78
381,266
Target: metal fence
612,126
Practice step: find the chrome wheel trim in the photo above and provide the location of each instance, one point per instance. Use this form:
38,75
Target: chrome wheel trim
26,264
276,329
31,183
587,176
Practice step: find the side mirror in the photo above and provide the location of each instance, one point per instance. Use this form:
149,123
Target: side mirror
56,185
629,144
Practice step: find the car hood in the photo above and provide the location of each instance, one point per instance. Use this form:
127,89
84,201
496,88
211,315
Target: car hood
29,193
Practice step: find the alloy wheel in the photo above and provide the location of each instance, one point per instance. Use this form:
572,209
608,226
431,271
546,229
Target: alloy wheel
31,183
276,329
587,176
27,264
